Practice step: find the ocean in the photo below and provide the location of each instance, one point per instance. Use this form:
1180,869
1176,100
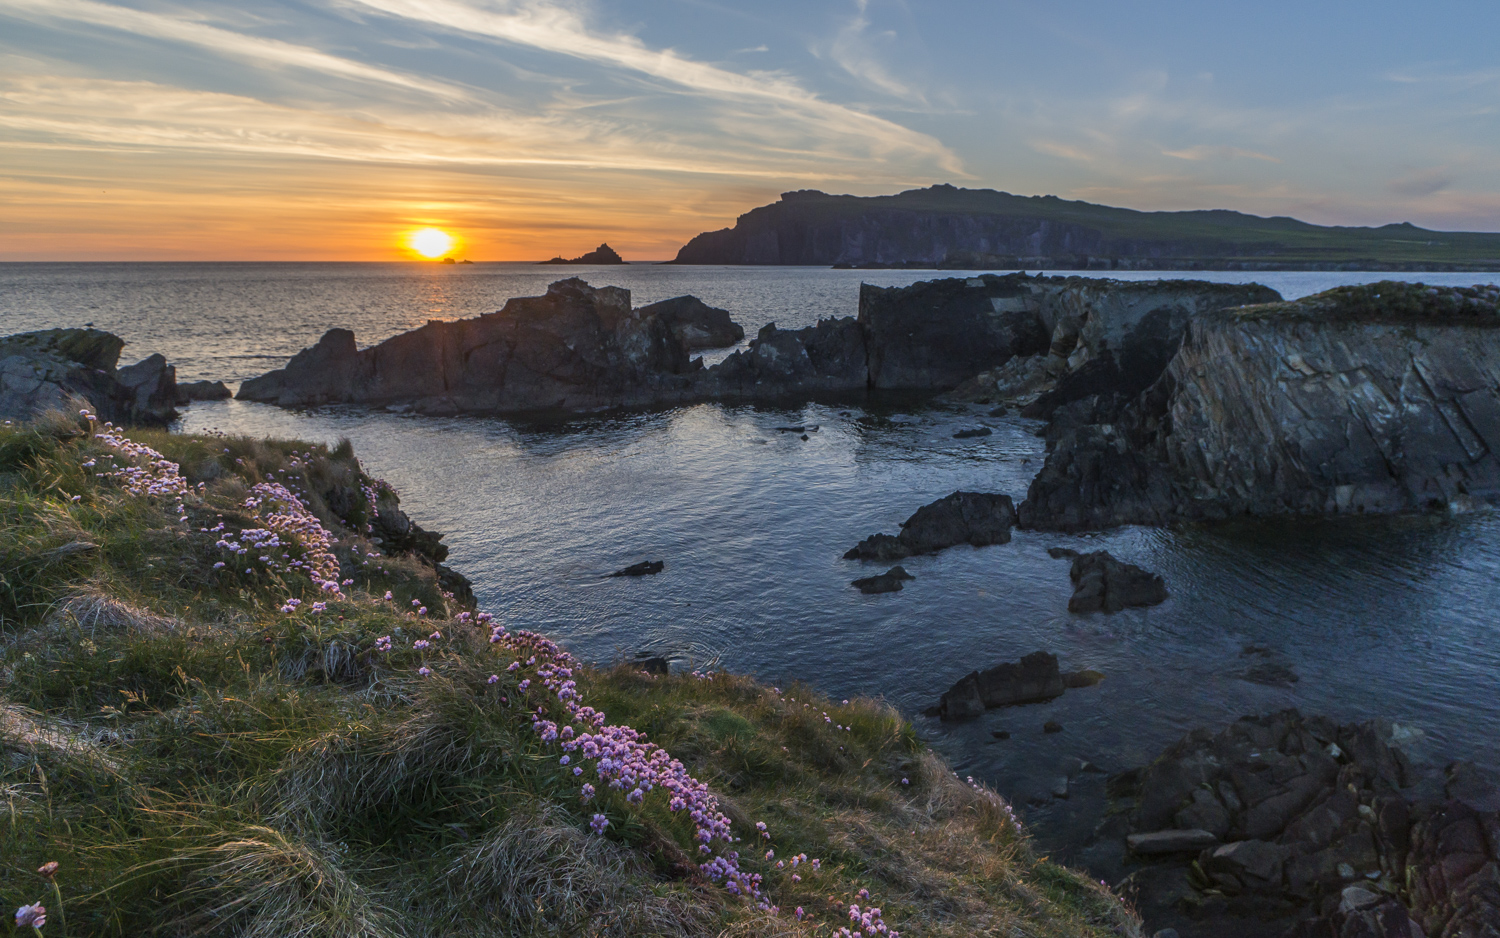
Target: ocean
1376,617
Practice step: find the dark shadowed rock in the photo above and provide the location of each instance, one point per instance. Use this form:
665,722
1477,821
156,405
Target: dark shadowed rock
1052,726
652,664
1170,841
1036,677
974,518
1085,678
644,568
696,324
190,391
68,369
1102,583
887,582
972,432
824,359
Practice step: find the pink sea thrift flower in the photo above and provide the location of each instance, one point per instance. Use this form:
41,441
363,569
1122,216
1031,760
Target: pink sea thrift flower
31,916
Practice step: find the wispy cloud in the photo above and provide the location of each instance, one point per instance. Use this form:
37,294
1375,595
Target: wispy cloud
857,51
222,41
1422,182
1206,152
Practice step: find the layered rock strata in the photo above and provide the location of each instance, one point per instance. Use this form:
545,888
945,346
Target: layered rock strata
1374,398
63,369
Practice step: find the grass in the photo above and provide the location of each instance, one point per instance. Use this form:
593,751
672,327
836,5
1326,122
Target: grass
201,763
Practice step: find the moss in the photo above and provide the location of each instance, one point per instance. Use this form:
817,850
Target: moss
202,763
1390,302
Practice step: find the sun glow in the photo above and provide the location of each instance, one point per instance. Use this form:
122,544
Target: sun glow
430,242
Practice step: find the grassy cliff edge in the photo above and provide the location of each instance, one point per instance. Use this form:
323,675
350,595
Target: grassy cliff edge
222,713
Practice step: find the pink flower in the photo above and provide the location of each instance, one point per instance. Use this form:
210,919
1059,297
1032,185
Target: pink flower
494,679
424,670
31,916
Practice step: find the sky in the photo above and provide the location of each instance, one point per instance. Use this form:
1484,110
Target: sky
332,129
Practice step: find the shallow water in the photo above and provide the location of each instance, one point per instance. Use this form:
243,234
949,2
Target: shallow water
1389,617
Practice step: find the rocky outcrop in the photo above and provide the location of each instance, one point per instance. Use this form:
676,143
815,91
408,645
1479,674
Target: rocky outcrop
1103,584
974,518
1035,678
202,391
1306,818
576,348
950,228
696,324
603,254
888,582
1374,398
63,369
825,359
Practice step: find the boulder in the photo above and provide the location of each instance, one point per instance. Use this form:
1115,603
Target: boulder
823,359
974,518
1100,582
1252,865
1156,843
69,369
190,391
696,324
887,582
1034,678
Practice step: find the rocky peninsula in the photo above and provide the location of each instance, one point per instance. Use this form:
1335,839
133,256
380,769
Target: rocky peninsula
59,369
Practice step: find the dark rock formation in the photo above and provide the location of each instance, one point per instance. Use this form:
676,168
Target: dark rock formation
66,369
603,254
696,324
973,518
576,348
967,229
972,432
1036,677
887,582
1375,398
1102,583
1303,817
202,391
826,359
644,568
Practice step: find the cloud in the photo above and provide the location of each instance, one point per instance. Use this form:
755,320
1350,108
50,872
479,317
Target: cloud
1422,182
223,41
553,28
1218,153
856,52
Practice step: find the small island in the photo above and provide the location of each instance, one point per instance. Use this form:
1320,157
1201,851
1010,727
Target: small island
603,254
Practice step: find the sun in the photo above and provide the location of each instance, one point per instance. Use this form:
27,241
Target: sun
430,242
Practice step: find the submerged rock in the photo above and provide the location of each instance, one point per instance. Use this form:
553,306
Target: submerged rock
887,582
644,568
975,518
1102,583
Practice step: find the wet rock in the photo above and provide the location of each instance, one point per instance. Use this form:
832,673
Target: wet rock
696,324
999,411
1156,843
644,568
1000,734
1035,677
190,391
1052,726
1084,678
970,433
887,582
1100,582
652,664
1061,553
974,518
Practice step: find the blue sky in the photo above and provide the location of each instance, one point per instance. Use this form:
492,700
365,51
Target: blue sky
323,128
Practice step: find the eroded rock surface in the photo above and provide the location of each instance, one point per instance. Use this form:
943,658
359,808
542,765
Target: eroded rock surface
1375,398
63,369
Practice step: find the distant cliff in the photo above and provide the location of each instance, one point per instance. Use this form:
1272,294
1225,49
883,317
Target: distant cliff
944,227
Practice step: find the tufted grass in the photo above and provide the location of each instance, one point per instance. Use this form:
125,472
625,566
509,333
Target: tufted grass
200,763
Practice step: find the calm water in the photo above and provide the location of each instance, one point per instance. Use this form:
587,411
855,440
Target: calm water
1378,617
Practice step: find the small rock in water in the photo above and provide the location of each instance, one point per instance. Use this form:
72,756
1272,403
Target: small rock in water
644,568
1271,674
1061,553
999,411
1100,582
1084,678
804,437
887,582
652,664
798,429
1052,726
1000,734
972,432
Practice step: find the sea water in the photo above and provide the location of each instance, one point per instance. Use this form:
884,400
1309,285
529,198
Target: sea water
1376,617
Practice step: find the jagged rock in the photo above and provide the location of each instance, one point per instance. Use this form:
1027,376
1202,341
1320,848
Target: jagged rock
1100,582
972,432
826,358
66,369
1246,865
887,582
1156,843
644,568
696,324
1036,677
974,518
575,348
603,254
190,391
1373,398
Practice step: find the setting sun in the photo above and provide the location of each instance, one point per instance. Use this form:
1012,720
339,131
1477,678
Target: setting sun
430,242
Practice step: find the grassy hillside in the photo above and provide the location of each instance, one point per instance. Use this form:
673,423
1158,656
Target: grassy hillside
1220,235
209,742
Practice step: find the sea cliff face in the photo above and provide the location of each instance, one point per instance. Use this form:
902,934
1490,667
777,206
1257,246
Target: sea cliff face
1364,399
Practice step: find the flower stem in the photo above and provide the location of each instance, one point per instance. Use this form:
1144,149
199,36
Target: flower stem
62,917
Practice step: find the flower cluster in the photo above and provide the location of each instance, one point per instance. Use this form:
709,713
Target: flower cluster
147,472
865,923
289,518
